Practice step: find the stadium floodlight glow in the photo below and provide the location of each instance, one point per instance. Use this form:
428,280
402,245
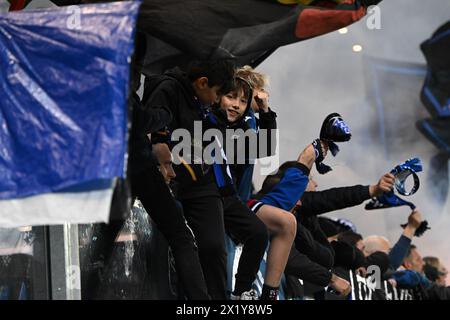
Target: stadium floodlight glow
343,30
357,48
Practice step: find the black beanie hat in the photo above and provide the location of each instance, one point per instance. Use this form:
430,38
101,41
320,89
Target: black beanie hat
379,259
344,254
347,256
328,226
360,260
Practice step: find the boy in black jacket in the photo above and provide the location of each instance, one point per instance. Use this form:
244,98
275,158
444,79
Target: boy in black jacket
149,186
187,97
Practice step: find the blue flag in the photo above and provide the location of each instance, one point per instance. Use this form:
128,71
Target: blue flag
63,108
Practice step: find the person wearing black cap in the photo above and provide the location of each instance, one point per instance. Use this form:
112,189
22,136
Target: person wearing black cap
314,203
353,238
346,255
329,228
308,259
273,208
310,239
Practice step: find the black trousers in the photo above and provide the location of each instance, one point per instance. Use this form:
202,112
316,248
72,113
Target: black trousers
301,266
243,226
150,188
209,217
205,217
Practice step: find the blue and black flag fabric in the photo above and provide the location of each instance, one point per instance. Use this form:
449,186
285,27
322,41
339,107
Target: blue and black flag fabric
63,112
247,30
435,94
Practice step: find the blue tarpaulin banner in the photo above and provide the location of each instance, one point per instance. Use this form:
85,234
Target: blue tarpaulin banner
64,77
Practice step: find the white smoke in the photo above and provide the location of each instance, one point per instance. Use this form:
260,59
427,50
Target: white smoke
316,77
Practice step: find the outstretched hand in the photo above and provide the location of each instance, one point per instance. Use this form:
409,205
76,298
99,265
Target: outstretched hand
385,184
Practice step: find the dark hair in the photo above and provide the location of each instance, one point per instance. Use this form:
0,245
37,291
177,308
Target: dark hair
219,73
350,237
410,249
432,273
328,226
241,84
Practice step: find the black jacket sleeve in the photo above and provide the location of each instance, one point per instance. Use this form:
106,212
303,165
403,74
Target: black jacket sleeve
316,251
318,202
437,292
300,266
266,122
399,251
160,107
313,226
